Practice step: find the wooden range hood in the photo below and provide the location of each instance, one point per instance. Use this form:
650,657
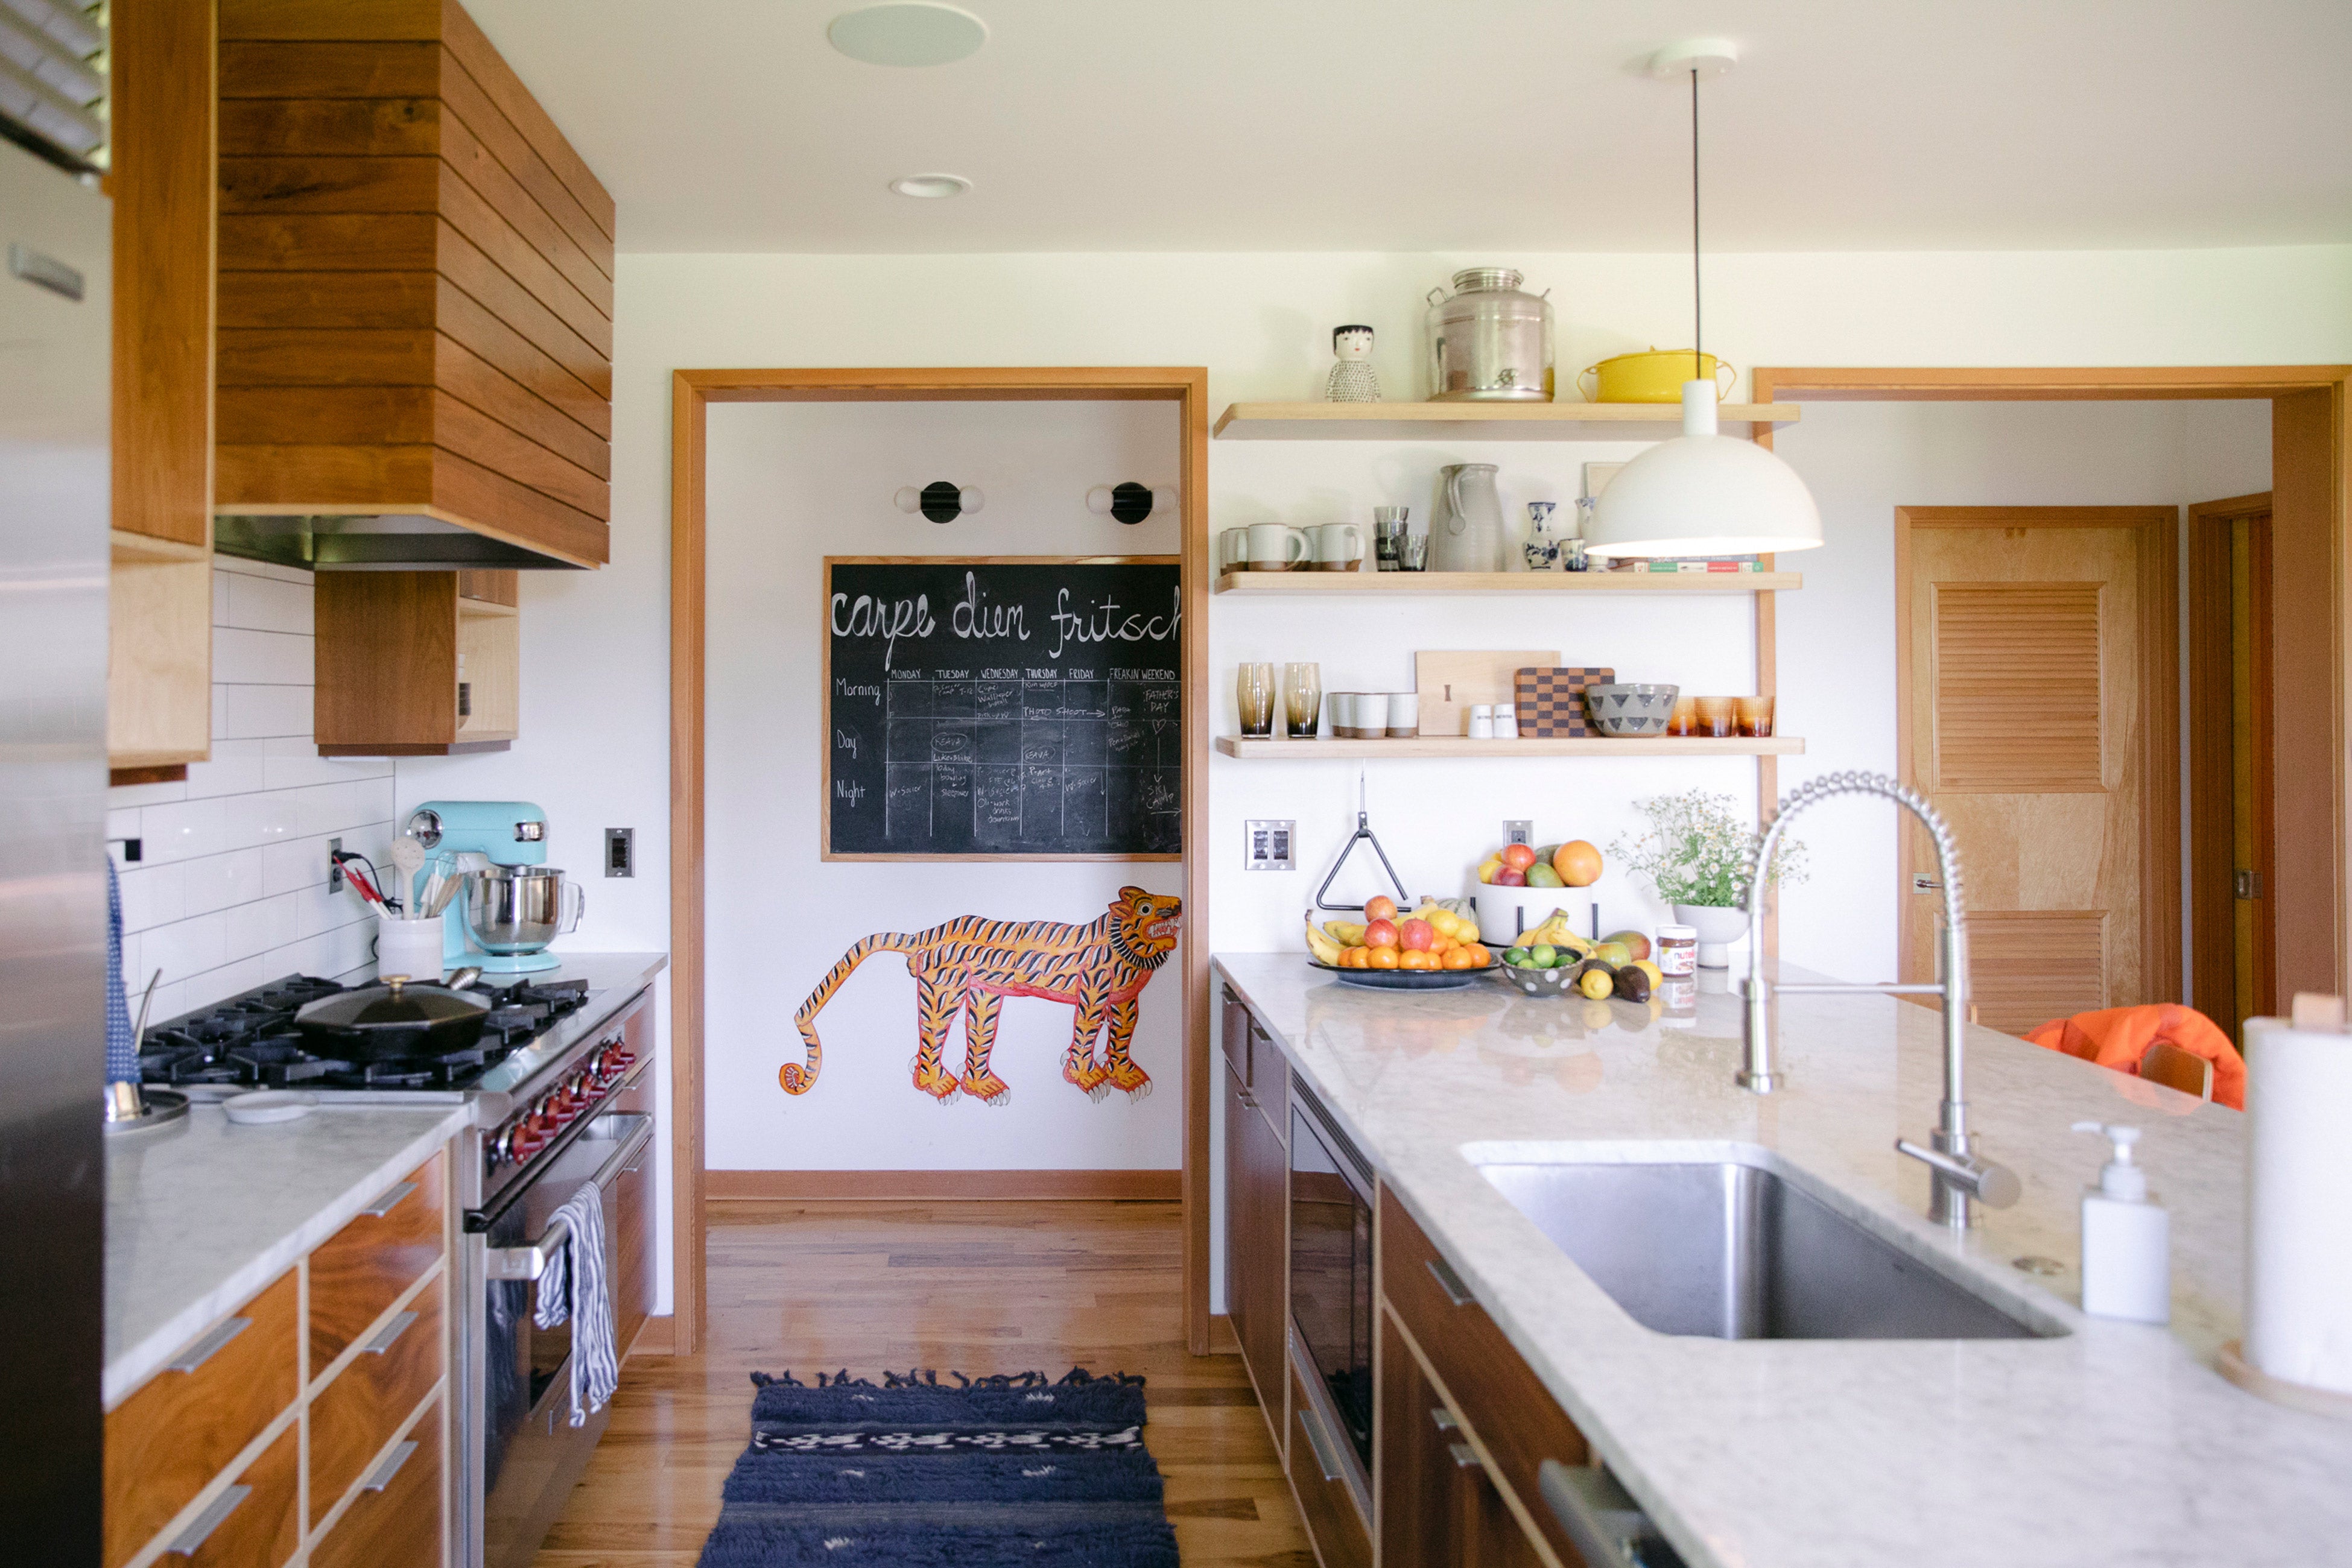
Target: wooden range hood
415,326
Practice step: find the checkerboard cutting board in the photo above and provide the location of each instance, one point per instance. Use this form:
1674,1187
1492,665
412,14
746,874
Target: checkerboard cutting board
1551,699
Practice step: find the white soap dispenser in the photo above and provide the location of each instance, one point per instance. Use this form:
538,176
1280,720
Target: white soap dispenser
2127,1240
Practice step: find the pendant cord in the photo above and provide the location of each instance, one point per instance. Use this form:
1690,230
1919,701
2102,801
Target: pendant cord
1697,337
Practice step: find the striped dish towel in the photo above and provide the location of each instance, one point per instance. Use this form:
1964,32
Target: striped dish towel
575,1287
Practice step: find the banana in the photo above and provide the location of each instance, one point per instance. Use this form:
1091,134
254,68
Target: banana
1326,950
1344,932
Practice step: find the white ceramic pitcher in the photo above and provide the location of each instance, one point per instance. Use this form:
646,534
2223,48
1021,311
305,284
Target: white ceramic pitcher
1467,533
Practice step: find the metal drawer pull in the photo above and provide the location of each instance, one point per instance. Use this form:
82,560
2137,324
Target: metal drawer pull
1445,1419
189,1541
1465,1458
393,1198
389,1467
527,1262
204,1349
1319,1439
1450,1282
388,1335
1603,1521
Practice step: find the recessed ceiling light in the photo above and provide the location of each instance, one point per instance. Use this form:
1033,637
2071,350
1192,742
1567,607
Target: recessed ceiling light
908,33
931,187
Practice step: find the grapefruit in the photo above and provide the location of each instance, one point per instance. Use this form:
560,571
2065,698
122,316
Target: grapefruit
1577,862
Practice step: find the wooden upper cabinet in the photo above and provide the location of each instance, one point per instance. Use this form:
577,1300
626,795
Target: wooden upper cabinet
416,285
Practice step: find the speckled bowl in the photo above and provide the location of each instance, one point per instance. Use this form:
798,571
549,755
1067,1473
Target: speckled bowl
1541,982
1627,712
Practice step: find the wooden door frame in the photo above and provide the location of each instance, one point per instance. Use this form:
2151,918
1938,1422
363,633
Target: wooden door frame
2211,751
691,395
2311,485
2155,553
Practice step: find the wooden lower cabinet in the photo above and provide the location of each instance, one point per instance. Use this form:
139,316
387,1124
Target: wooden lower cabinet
254,1523
396,1520
353,1416
1257,1228
1438,1507
630,1204
1317,1468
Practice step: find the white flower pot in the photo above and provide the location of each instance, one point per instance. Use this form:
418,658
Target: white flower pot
1717,930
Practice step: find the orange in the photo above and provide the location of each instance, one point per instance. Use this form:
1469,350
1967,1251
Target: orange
1577,862
1380,958
1480,955
1357,958
1457,958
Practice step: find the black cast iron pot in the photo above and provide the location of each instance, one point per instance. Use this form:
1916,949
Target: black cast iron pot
395,1018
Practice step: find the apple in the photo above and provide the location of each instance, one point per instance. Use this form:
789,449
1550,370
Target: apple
1381,933
1508,877
1379,906
1518,857
1417,934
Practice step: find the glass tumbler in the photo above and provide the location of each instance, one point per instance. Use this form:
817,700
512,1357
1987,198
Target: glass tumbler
1753,716
1302,699
1254,689
1685,717
1716,717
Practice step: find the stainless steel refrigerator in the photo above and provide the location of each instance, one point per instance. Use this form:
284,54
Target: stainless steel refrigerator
54,379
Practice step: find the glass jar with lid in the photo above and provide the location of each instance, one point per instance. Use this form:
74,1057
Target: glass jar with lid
1490,340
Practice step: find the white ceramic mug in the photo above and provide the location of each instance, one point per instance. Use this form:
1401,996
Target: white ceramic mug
1275,548
410,948
1371,715
1403,715
1339,546
1232,551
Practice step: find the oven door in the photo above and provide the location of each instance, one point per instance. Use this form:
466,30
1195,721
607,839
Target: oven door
1331,1269
531,1454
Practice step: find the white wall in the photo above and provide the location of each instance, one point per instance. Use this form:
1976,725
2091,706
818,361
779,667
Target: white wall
595,647
231,888
790,484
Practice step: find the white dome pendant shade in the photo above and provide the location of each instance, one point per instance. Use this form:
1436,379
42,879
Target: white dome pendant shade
1702,493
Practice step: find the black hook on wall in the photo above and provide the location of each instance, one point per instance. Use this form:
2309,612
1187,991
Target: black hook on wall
941,500
1130,502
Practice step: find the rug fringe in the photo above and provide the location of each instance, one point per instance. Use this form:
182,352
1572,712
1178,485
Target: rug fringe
928,1377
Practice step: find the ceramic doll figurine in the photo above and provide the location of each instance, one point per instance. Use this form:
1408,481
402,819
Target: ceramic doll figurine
1352,380
1542,548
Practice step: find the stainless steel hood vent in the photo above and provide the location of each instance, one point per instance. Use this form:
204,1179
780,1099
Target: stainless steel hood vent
390,541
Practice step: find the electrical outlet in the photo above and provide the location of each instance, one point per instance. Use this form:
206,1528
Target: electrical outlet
620,851
1269,844
1518,831
334,866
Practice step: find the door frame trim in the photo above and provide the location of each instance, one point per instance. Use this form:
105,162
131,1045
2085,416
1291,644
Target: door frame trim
2156,551
691,393
2211,902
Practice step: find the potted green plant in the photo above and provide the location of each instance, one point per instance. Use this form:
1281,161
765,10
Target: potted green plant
1694,853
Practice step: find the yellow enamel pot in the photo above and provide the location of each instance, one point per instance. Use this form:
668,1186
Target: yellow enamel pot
1656,376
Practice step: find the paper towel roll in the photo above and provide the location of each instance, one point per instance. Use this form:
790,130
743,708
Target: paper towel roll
2299,1203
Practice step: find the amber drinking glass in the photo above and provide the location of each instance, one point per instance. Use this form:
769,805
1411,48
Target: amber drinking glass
1255,688
1716,716
1754,716
1302,699
1685,717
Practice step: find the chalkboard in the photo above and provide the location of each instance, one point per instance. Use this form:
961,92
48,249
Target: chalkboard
1004,707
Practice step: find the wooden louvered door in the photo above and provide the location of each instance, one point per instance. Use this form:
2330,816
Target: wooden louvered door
2040,714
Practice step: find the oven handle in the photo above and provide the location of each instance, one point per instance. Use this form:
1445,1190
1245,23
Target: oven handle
530,1262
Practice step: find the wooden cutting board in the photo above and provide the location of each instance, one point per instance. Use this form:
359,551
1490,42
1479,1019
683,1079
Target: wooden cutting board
1451,681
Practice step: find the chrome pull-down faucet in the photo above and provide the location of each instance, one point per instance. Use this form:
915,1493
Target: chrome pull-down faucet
1955,1174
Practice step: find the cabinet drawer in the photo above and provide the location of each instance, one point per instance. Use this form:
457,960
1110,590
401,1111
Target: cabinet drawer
353,1416
396,1521
1324,1501
1495,1391
172,1436
364,1266
253,1524
629,1208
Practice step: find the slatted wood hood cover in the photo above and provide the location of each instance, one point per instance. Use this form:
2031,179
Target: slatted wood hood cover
416,285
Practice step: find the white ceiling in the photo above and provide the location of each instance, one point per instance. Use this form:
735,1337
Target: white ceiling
1452,125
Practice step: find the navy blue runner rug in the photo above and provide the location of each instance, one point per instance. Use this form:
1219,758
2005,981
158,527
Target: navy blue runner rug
997,1471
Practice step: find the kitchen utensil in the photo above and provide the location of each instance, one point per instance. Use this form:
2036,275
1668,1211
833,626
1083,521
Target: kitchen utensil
411,947
1253,692
1717,717
1388,533
520,909
1275,548
1482,721
1302,699
1339,546
1468,529
264,1107
1450,680
440,886
1655,375
1548,702
1413,553
1403,715
407,857
1624,711
1490,340
395,1017
1753,716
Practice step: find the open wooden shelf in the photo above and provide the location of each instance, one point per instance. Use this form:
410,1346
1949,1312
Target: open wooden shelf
1483,421
1253,748
1320,584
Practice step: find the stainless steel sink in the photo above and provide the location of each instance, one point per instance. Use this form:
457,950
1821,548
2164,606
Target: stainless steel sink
1734,1252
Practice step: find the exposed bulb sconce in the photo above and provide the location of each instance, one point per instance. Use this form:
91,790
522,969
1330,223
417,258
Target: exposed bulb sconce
1130,502
939,500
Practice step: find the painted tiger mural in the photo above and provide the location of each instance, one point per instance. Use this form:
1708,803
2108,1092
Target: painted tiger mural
973,964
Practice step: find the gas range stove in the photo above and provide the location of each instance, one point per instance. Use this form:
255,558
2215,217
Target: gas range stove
250,1041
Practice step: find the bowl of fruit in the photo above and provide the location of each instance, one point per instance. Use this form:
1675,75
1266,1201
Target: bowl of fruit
1519,886
1432,948
1552,961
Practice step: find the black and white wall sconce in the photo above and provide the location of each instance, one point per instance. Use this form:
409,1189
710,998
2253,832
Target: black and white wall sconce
1130,502
940,501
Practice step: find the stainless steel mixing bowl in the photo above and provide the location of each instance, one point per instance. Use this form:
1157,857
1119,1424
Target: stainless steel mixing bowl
514,909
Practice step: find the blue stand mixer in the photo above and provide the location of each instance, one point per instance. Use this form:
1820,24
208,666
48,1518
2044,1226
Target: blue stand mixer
510,903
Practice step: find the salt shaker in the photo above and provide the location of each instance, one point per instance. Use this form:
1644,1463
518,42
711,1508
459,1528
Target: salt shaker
1482,721
1506,721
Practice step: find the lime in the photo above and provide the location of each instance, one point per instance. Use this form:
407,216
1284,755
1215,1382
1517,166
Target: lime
1517,958
1543,955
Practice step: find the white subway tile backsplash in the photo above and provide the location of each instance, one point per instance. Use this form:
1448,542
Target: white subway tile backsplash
121,824
263,604
185,947
181,830
154,895
236,768
223,880
261,658
249,712
220,598
250,929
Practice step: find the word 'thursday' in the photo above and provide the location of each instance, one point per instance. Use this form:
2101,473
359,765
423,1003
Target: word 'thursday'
973,617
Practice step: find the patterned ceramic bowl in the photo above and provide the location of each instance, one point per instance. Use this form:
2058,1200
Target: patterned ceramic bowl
1552,983
1623,712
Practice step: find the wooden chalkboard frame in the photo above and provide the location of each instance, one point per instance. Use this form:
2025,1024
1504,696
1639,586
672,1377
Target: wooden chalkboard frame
825,711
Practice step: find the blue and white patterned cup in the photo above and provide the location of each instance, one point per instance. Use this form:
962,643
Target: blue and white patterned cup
1542,546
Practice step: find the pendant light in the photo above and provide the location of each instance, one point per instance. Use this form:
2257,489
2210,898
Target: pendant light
1702,493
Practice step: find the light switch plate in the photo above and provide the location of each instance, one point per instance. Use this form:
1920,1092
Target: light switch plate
620,851
1269,844
1518,831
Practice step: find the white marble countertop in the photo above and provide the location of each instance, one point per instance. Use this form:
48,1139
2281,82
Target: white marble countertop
201,1213
2115,1443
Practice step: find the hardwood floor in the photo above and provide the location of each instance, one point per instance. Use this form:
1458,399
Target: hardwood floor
973,1287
